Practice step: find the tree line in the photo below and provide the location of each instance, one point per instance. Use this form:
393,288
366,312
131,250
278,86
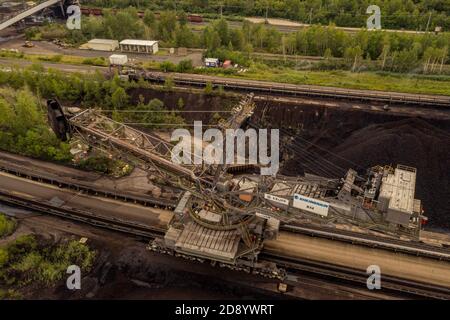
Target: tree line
24,129
23,113
397,52
396,14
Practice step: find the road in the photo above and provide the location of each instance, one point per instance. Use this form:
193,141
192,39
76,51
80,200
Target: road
69,68
49,48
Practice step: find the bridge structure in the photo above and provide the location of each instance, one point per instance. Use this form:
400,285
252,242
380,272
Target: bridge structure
17,16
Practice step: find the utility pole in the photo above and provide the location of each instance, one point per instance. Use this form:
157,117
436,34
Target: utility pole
310,16
267,11
221,9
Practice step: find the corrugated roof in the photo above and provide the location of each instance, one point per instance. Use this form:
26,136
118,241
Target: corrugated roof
134,42
400,189
104,41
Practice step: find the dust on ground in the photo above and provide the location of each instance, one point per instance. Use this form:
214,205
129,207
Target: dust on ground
125,269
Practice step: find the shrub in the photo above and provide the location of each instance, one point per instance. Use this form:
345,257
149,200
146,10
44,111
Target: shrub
7,226
209,88
167,66
185,66
4,257
25,260
98,61
168,83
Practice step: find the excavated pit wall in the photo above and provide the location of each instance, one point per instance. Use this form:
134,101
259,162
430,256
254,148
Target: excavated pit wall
364,137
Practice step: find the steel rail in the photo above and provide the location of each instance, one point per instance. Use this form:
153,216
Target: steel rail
412,248
297,265
299,90
347,274
89,189
115,224
397,245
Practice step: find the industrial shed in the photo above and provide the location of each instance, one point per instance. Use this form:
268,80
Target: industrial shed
139,46
102,45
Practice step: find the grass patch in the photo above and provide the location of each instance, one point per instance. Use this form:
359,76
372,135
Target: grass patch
106,165
419,84
57,58
378,81
99,61
7,227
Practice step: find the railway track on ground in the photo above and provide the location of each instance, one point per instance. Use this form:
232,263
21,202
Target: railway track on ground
387,243
90,218
88,189
352,276
281,89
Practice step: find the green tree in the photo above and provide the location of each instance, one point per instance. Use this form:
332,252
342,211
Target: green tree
185,66
184,37
180,103
26,110
353,57
208,88
6,114
149,18
183,18
119,99
168,83
167,25
221,27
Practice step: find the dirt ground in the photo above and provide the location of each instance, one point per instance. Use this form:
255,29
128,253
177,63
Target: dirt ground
125,269
49,48
276,22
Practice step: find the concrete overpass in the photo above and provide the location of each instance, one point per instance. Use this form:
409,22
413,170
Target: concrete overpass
18,16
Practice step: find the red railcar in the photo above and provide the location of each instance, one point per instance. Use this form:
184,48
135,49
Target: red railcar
195,18
92,11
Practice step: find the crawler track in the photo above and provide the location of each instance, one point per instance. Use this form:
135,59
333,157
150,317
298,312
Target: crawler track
295,266
387,243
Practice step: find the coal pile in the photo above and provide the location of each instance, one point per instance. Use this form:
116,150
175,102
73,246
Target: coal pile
412,142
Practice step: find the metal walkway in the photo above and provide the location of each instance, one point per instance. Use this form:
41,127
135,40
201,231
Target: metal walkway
18,16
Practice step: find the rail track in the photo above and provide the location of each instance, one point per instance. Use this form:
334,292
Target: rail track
91,218
392,244
387,243
293,265
280,89
296,266
91,190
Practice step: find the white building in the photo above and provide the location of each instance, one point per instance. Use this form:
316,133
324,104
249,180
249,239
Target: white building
118,59
139,46
212,62
102,45
397,194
